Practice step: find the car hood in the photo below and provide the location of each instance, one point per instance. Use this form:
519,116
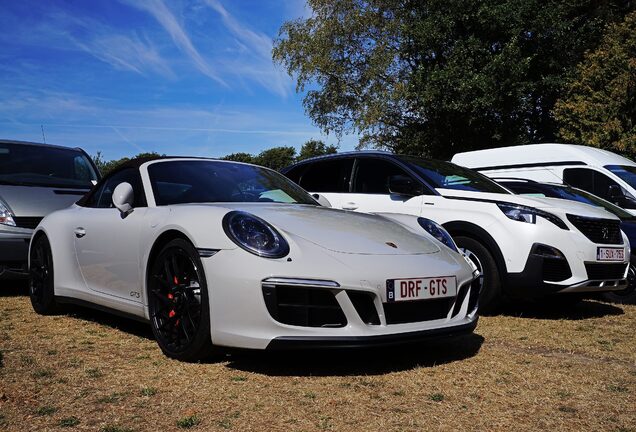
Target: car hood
553,205
341,231
38,201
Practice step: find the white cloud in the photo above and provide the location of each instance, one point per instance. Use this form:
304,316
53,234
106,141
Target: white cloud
158,10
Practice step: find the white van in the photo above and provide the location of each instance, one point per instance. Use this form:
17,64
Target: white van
603,173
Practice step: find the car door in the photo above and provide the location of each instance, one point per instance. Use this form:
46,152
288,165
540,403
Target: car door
328,179
107,243
597,183
370,189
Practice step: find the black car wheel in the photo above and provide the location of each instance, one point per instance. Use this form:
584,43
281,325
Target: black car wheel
41,289
489,281
178,302
628,295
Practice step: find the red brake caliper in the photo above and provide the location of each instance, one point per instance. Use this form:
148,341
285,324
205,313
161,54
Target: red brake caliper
172,313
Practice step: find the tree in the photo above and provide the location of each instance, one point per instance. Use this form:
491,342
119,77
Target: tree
599,105
105,167
276,158
439,76
239,157
313,148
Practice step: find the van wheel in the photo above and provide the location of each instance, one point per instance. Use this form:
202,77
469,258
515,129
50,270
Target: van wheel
490,281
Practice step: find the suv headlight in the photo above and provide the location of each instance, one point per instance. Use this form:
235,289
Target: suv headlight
437,231
529,215
6,215
254,235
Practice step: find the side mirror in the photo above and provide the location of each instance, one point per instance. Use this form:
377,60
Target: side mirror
324,202
404,185
123,198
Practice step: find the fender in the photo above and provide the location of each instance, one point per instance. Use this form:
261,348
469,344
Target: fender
478,233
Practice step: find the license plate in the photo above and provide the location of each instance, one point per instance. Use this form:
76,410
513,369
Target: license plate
610,254
421,288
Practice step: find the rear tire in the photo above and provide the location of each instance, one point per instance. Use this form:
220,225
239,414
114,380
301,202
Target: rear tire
41,287
179,304
490,296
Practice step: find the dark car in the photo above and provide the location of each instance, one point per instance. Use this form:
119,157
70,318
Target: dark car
35,179
554,190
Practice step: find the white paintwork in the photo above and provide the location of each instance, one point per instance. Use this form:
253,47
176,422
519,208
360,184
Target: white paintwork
504,159
101,257
514,239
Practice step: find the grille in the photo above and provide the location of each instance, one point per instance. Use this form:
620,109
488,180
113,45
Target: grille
364,305
604,231
605,271
556,270
416,311
27,222
306,307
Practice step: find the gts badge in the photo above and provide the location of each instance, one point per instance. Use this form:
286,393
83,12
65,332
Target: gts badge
135,294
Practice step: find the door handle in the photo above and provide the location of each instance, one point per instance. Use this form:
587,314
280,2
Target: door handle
79,232
350,206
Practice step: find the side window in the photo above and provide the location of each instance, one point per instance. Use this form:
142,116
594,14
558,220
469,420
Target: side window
102,197
582,178
296,172
602,184
331,175
372,176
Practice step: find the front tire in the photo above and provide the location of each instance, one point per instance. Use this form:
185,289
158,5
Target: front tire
628,295
41,288
490,296
178,302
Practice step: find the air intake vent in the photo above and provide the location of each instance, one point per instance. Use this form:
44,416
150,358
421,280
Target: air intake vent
605,271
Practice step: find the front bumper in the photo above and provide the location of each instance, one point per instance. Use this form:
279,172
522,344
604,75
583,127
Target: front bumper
317,342
14,251
544,276
241,313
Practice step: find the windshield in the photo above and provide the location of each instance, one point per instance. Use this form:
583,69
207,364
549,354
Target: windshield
33,165
568,193
447,175
206,181
627,173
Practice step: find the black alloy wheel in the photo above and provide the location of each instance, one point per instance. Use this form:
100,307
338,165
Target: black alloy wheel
178,302
489,281
628,295
41,291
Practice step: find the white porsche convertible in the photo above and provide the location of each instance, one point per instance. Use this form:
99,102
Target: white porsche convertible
224,254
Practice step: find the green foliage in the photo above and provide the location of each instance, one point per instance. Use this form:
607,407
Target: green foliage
313,148
69,421
599,105
105,167
440,76
276,158
239,157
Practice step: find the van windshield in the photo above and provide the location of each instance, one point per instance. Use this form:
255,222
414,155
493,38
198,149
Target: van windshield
34,165
627,173
446,175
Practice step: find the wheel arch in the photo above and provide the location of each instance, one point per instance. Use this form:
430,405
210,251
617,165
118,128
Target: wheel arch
467,229
163,239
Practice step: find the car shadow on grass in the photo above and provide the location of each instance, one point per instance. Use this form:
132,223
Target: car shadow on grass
549,309
354,362
116,322
14,288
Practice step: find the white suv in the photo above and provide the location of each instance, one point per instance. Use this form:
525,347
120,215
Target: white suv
524,247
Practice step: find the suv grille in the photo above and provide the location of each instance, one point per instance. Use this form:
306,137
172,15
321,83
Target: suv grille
27,222
604,231
605,271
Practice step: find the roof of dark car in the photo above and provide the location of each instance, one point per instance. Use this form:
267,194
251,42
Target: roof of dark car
4,141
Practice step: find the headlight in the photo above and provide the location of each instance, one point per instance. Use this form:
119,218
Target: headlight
6,216
254,235
529,214
437,231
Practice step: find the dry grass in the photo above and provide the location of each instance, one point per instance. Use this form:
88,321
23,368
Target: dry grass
530,369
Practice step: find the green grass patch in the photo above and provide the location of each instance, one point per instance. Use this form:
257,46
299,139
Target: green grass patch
188,422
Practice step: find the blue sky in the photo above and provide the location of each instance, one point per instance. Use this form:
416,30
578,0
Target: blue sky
172,76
